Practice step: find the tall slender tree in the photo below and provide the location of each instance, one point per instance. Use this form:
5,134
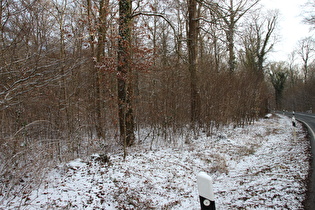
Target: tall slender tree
192,60
124,78
102,29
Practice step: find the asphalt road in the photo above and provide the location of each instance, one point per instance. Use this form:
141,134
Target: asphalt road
309,121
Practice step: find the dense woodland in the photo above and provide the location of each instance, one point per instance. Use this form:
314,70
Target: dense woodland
77,75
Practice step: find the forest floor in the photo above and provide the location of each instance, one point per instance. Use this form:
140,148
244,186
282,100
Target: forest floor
260,166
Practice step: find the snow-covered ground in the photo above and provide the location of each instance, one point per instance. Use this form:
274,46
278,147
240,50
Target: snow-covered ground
260,166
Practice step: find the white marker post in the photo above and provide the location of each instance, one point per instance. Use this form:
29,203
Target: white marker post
205,190
294,125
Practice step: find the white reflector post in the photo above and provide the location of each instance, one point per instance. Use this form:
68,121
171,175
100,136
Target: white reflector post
205,190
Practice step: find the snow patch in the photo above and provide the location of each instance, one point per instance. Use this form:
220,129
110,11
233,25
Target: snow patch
76,164
259,166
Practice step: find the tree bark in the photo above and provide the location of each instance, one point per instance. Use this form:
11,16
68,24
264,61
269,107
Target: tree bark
99,57
192,59
230,39
124,79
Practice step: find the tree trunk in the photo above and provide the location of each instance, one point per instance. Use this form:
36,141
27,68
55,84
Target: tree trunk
99,53
230,39
96,75
99,57
124,79
192,59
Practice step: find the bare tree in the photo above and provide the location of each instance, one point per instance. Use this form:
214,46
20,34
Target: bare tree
309,15
306,49
258,42
292,69
230,13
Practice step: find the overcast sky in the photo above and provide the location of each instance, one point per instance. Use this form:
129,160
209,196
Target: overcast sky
290,25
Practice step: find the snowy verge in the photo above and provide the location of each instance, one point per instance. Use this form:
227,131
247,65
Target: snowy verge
259,166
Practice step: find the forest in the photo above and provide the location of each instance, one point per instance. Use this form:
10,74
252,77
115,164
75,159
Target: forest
79,76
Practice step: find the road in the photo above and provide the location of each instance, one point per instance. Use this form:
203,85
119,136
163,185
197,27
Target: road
309,121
